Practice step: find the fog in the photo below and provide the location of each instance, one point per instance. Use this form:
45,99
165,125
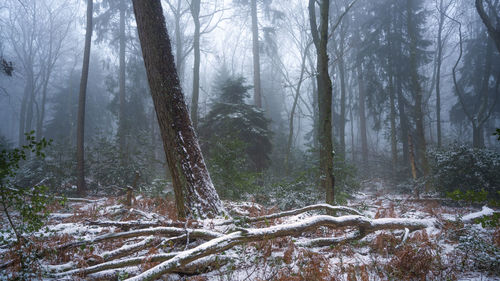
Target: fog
371,104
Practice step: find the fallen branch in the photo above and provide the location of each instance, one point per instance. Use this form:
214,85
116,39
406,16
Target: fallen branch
128,249
194,267
228,241
126,225
316,207
166,231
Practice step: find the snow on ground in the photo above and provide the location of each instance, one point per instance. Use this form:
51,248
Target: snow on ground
446,250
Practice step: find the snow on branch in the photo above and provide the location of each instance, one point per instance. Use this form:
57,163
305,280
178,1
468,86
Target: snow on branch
317,207
228,241
166,231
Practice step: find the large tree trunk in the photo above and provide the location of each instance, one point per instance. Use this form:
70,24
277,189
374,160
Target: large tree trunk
417,90
257,94
320,40
195,12
80,164
122,123
194,191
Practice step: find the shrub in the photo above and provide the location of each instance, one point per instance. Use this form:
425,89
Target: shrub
462,168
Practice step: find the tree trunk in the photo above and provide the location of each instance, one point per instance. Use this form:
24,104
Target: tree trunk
194,191
417,90
438,72
392,116
81,188
294,107
320,40
179,45
122,122
362,114
257,95
493,31
22,114
342,78
195,12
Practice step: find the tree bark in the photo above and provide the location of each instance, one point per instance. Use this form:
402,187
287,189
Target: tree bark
257,94
417,90
81,188
195,12
320,40
194,191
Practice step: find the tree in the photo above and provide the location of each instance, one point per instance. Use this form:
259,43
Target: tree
194,192
320,39
492,28
477,88
80,133
414,19
230,116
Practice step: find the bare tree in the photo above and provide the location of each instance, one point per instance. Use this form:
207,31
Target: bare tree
194,192
320,39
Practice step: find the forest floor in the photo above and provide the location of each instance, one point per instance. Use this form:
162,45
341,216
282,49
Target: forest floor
455,248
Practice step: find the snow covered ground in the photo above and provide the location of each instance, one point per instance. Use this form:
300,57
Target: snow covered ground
452,247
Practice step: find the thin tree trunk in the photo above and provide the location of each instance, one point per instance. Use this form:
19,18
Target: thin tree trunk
121,125
394,147
341,67
22,114
362,114
320,40
438,73
194,191
81,188
294,107
179,45
257,94
195,12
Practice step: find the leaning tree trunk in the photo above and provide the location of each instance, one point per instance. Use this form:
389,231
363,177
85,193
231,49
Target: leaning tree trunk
81,189
257,96
194,192
320,40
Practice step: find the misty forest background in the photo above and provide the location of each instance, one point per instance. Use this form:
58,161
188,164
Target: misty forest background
415,96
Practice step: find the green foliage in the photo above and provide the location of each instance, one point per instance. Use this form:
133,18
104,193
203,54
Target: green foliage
32,212
497,133
230,116
465,169
483,197
229,168
479,253
24,206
